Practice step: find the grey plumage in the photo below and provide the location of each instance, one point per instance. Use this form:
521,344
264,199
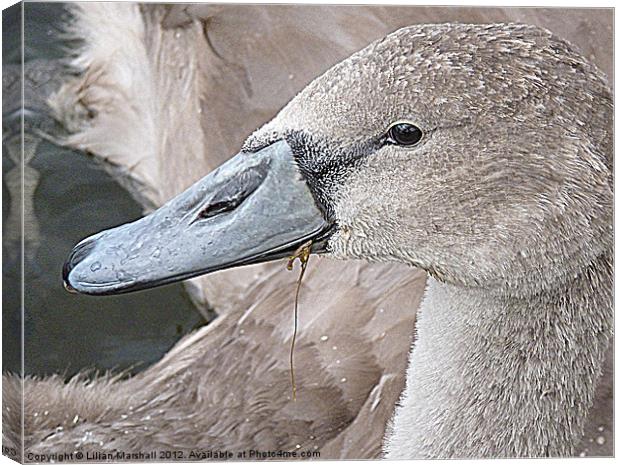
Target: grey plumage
507,203
228,384
371,228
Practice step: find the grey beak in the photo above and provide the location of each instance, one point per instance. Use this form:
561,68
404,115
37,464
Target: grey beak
254,208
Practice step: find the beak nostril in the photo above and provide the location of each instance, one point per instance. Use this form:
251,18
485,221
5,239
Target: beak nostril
79,253
234,192
217,208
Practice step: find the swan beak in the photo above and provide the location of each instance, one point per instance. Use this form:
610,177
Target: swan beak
254,208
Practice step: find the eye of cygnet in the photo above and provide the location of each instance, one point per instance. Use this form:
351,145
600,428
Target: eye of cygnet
403,133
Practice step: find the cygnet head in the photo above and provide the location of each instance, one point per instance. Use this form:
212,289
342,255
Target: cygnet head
481,153
506,185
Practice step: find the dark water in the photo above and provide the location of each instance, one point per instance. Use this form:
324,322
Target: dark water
68,196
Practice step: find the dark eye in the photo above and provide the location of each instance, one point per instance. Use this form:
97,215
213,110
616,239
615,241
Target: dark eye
404,134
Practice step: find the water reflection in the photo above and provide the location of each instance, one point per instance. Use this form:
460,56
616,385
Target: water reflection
66,197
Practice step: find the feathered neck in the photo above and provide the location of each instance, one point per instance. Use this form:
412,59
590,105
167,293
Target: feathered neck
495,376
